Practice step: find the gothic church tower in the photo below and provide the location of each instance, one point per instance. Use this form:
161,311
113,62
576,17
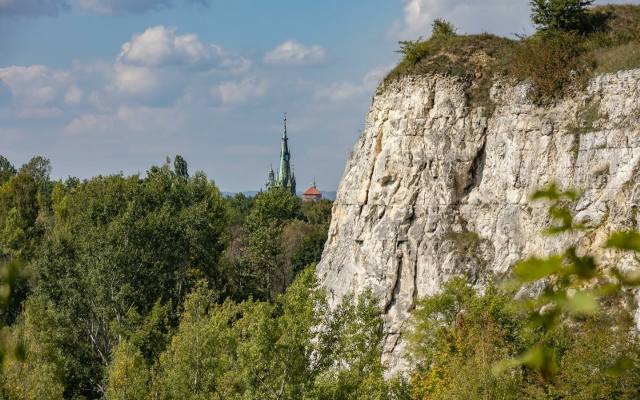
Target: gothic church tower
286,176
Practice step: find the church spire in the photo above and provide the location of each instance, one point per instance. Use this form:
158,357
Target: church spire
285,177
284,170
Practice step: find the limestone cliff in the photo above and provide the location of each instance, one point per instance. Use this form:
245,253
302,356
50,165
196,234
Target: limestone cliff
436,187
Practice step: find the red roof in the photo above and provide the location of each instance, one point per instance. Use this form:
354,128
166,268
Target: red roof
312,191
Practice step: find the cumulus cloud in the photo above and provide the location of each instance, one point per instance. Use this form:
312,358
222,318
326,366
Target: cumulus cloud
160,46
503,17
32,8
240,92
136,119
292,52
136,81
74,95
155,68
35,90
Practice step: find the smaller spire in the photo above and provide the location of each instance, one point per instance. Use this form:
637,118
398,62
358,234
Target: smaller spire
285,125
314,182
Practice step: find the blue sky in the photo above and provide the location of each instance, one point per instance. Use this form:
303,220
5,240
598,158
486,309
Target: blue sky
103,86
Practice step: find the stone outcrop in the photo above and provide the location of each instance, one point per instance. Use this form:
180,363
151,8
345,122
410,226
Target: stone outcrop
436,187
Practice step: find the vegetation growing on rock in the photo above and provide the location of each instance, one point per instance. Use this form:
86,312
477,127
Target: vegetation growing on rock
557,59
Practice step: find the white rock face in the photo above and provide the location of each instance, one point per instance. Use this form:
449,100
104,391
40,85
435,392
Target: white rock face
435,189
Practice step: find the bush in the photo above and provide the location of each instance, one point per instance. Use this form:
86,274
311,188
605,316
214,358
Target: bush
558,59
441,27
552,61
560,15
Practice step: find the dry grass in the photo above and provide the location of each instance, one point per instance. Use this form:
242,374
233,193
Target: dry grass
555,63
474,58
619,58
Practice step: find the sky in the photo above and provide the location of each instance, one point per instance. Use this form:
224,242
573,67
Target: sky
110,86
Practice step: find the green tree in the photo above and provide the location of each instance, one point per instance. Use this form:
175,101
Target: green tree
127,375
317,212
457,338
201,351
123,248
180,167
261,350
35,367
25,210
561,15
7,170
266,267
350,352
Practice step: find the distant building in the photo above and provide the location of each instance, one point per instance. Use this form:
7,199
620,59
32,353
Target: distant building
286,177
312,194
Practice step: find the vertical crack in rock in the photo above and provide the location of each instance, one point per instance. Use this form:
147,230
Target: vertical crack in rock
373,168
397,280
477,169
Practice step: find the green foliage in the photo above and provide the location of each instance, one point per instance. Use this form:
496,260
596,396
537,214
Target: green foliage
575,286
7,170
587,116
258,350
555,62
458,336
265,226
351,348
560,15
25,210
317,212
127,375
108,263
180,167
474,59
121,257
561,327
34,367
441,27
461,338
238,207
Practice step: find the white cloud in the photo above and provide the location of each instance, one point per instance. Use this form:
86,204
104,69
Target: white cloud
127,119
341,91
503,17
35,90
135,81
74,95
32,8
160,46
240,92
292,52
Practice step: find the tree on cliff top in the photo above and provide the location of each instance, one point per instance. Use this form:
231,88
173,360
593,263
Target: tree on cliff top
560,15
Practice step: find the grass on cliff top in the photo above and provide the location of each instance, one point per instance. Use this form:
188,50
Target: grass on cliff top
556,63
